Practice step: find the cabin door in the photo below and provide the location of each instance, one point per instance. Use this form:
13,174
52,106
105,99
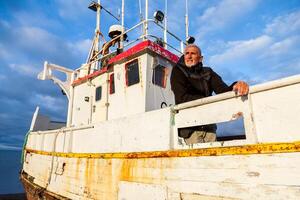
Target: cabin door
100,98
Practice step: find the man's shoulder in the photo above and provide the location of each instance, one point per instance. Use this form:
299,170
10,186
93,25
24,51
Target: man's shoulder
178,69
207,69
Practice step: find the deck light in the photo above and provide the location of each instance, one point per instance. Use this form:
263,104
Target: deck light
159,16
93,6
190,40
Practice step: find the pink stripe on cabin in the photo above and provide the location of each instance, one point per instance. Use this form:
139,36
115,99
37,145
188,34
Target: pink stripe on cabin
143,45
90,76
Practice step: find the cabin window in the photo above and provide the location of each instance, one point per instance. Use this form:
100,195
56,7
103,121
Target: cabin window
98,93
132,73
159,76
111,84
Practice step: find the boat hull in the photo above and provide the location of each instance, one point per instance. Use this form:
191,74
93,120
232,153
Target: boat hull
35,192
245,172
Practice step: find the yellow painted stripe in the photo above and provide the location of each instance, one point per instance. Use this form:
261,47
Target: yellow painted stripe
214,151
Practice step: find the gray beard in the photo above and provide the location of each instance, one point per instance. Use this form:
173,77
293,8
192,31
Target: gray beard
191,65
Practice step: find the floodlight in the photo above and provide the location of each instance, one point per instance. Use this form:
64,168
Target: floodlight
159,16
190,40
93,6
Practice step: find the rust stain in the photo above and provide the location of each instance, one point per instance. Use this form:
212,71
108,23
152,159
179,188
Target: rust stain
66,175
45,173
212,151
253,174
77,168
88,177
99,181
237,115
148,171
126,171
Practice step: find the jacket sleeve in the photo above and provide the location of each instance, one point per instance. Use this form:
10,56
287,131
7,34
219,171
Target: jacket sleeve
179,87
218,85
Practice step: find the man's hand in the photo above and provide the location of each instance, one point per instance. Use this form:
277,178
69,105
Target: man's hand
241,88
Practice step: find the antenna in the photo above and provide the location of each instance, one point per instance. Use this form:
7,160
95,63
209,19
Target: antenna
146,19
166,24
186,20
94,50
122,23
95,46
140,6
110,13
97,31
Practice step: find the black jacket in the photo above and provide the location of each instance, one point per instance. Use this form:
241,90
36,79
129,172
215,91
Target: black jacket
196,82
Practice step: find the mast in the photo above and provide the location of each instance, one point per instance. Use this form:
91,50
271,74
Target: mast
140,7
95,45
186,20
97,30
146,19
122,24
166,24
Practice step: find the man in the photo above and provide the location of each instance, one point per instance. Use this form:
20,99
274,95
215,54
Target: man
191,81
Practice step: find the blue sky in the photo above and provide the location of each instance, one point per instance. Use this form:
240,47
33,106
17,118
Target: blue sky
252,40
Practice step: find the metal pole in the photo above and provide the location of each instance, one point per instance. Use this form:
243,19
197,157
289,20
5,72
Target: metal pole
186,20
122,23
97,31
166,24
140,6
146,18
181,46
97,34
71,102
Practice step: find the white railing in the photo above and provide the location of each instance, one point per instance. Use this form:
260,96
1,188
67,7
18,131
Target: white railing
270,114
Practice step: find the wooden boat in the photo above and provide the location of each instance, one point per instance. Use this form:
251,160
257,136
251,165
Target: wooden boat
121,136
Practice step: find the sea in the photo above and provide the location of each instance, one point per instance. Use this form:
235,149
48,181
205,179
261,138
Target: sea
10,165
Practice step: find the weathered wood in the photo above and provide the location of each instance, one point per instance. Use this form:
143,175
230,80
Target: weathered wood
236,176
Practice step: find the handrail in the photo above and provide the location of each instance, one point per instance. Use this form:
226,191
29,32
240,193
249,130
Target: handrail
254,89
63,129
95,59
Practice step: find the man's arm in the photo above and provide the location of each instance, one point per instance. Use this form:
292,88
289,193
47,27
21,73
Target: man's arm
179,87
219,86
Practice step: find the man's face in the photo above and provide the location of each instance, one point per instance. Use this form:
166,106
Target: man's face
192,56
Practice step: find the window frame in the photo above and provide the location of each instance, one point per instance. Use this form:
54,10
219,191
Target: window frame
100,93
126,72
112,88
163,78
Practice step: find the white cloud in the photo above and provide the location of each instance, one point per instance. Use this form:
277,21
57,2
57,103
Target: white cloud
4,54
2,77
25,18
4,116
9,147
223,14
70,9
51,103
82,47
41,38
242,49
283,47
283,68
284,25
42,44
24,69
